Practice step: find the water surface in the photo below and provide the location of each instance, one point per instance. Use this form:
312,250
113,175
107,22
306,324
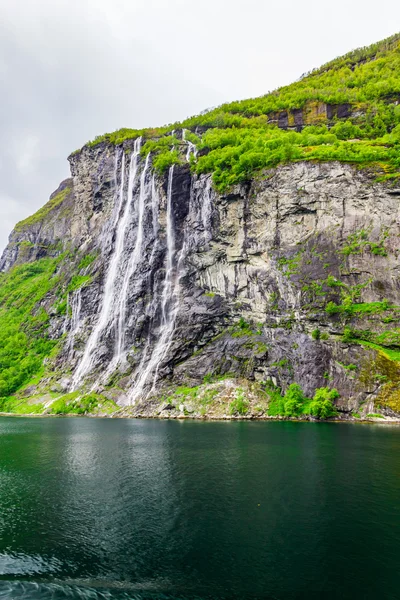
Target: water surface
157,510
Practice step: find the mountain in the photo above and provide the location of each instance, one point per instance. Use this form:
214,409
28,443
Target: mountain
242,263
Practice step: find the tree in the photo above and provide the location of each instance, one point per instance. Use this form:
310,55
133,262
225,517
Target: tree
322,405
294,399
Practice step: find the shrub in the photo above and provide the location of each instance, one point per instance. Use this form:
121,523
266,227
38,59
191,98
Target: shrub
322,406
348,335
316,334
293,400
239,405
332,308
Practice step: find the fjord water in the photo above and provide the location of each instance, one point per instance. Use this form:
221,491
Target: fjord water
101,508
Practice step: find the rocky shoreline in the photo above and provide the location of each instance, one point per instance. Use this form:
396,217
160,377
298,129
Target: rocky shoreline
118,415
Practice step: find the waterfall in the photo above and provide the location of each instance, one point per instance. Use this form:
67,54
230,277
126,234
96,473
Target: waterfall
66,320
75,306
106,315
154,207
206,211
169,306
191,147
132,266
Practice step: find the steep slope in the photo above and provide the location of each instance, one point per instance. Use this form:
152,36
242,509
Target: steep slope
206,268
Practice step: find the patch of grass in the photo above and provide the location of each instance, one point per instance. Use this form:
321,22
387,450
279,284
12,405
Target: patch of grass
241,139
20,407
78,281
388,352
349,367
239,406
374,416
75,404
372,308
87,260
24,341
43,212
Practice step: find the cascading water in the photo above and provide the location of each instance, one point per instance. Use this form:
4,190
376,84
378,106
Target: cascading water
75,306
132,266
206,211
191,147
169,307
106,315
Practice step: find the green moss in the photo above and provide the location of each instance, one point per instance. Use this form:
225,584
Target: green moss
43,212
374,416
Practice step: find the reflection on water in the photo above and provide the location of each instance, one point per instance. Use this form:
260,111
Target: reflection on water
98,508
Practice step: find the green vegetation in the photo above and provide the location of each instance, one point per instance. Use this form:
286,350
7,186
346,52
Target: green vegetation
242,328
374,416
24,342
295,404
87,260
43,212
294,400
239,405
73,404
391,354
349,367
358,242
20,406
322,404
78,281
347,111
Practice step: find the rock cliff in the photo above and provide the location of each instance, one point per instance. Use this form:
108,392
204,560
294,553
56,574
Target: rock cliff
207,268
289,278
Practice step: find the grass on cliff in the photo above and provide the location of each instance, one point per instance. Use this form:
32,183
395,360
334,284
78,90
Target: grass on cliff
240,139
24,340
43,212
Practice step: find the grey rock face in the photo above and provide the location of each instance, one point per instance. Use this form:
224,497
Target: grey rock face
232,283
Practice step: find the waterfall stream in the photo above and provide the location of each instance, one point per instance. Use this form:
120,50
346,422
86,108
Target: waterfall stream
131,274
75,306
169,308
106,315
132,266
191,147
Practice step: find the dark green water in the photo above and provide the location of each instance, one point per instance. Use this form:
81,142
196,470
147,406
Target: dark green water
93,508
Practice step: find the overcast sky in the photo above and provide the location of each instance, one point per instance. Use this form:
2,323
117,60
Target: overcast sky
73,69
